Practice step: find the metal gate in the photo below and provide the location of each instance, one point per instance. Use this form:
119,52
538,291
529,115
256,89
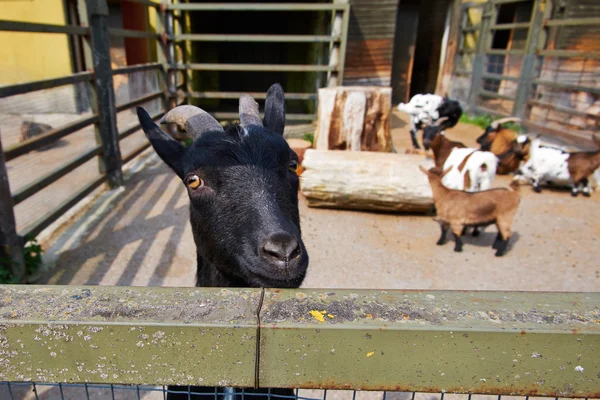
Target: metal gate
535,59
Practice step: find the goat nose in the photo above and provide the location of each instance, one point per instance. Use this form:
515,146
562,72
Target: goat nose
280,247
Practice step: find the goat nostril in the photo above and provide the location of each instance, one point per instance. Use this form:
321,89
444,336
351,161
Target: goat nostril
281,247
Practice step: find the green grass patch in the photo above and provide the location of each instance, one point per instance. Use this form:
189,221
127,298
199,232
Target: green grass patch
483,121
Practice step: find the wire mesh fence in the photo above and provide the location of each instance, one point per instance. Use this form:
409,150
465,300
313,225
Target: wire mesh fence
89,391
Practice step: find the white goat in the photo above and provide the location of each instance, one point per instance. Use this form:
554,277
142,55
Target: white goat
422,109
472,170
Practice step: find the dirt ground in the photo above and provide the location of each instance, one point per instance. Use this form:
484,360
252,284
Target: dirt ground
141,236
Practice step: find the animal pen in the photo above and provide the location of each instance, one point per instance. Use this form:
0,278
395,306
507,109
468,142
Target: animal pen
83,342
537,60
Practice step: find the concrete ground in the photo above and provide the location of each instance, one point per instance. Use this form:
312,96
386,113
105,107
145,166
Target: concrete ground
140,236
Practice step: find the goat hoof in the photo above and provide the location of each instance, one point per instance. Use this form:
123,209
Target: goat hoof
537,189
586,194
441,242
574,194
459,250
499,253
495,246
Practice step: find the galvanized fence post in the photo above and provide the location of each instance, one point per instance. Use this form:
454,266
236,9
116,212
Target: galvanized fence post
11,245
483,44
337,50
528,66
106,131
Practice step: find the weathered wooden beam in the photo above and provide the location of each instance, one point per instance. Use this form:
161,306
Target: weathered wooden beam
365,181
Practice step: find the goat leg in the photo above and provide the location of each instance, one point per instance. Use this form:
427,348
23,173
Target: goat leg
413,137
575,190
497,241
536,186
501,249
459,243
476,231
585,186
443,235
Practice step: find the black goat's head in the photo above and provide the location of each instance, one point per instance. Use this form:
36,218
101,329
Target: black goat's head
431,131
486,138
243,190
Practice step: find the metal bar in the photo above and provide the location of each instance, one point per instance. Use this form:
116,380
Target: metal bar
136,68
498,2
503,52
11,245
430,341
288,117
494,95
567,110
49,217
471,29
592,55
255,6
256,95
514,25
255,67
483,44
19,26
194,37
528,70
140,100
136,127
106,130
129,33
21,88
500,77
573,22
145,2
45,139
567,86
135,152
344,43
34,187
580,139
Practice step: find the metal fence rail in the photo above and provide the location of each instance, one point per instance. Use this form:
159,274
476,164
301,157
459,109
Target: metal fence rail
533,76
502,343
103,117
337,39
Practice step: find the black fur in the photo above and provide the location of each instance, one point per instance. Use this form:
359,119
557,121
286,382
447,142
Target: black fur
249,195
450,109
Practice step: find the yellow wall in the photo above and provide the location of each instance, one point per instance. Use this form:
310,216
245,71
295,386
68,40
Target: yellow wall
28,56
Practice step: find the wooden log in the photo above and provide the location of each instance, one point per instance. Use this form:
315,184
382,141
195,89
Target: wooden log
355,118
366,181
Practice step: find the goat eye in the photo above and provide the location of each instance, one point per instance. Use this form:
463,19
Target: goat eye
293,167
194,182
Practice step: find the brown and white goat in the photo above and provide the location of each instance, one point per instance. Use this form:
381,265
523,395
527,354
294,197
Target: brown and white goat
510,147
434,139
457,209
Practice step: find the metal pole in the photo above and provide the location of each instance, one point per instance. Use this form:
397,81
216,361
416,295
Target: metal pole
483,44
337,50
528,67
106,131
11,245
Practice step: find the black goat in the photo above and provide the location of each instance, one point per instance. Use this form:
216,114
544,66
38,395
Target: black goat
243,191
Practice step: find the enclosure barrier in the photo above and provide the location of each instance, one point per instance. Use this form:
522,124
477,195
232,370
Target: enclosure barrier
337,39
96,35
532,75
504,343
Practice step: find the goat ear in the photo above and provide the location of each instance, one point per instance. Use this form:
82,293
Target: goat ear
169,149
275,109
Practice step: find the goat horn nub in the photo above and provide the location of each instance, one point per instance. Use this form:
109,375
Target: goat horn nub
195,121
249,114
495,124
440,121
